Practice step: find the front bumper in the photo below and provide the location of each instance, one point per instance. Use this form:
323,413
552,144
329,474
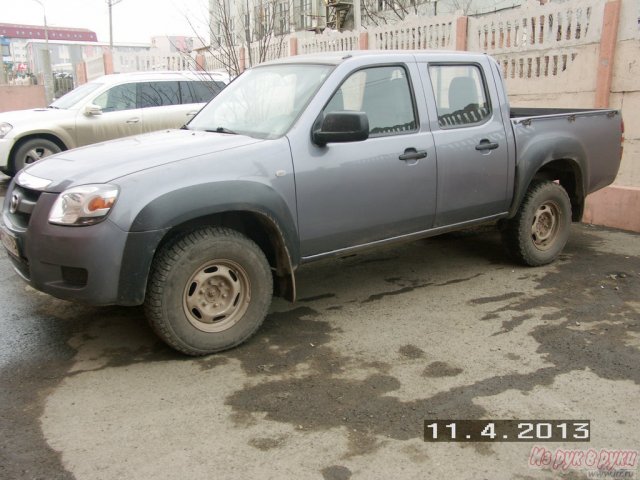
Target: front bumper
98,265
6,144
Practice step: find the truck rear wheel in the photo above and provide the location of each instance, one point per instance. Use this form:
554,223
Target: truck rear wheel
540,229
208,291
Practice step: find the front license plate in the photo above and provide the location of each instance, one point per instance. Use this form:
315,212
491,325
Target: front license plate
10,243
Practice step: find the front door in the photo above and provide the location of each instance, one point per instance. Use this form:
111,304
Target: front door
351,194
119,117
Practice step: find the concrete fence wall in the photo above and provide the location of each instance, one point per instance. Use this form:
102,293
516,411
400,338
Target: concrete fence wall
21,97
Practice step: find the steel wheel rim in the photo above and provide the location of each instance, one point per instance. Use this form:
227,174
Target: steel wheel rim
36,154
545,225
216,296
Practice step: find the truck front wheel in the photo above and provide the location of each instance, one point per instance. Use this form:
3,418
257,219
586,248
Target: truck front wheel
540,229
208,291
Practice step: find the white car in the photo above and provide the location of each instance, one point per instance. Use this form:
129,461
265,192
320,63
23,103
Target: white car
109,107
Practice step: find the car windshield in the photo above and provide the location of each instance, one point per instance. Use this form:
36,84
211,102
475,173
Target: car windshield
263,102
76,95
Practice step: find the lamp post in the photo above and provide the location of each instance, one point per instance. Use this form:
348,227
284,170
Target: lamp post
46,57
111,3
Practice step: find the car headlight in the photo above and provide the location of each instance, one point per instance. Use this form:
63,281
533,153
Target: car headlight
5,128
84,205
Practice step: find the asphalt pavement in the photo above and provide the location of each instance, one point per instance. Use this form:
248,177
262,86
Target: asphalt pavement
337,385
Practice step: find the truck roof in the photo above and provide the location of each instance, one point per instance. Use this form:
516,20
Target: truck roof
335,58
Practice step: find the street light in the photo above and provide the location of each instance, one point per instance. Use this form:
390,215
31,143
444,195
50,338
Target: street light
111,3
48,76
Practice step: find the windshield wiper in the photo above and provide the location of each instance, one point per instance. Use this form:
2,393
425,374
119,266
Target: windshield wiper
222,130
53,106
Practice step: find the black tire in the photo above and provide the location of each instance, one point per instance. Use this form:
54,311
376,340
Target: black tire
208,291
31,151
540,229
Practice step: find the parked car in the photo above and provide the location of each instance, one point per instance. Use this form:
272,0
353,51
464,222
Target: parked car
298,160
109,107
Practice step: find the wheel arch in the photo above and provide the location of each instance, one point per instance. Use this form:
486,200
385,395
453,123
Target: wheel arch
257,226
568,173
33,136
158,211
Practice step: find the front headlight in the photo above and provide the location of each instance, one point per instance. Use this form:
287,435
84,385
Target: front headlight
84,205
5,128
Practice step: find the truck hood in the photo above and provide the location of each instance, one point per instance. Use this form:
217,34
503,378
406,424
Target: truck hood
107,161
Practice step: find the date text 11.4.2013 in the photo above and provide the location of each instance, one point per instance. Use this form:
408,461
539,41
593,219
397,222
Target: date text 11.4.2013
507,430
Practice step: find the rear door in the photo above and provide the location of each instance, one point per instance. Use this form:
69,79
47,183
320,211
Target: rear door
197,93
470,140
161,105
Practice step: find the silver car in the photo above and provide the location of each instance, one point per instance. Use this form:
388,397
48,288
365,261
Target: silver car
109,107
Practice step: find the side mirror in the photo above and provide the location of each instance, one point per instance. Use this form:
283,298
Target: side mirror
91,110
340,127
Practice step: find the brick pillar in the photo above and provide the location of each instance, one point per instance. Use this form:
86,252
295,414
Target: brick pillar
241,60
293,46
607,52
461,33
200,62
81,73
108,63
363,41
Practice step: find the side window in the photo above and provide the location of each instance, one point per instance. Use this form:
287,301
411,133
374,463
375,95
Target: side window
120,97
158,94
460,95
199,91
384,94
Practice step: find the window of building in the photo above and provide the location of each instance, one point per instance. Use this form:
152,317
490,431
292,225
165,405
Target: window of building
384,94
460,95
283,19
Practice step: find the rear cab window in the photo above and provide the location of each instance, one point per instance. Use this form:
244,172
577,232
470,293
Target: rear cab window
461,95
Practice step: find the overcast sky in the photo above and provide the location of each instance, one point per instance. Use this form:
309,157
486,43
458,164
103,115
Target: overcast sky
133,20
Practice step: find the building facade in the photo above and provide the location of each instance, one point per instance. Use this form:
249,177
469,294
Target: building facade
22,42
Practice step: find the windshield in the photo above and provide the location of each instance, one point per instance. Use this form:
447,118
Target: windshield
263,102
76,95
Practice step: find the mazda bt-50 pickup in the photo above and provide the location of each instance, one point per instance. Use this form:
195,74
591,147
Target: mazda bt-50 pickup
297,160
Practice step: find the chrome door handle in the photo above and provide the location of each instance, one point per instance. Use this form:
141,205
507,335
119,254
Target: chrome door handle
133,120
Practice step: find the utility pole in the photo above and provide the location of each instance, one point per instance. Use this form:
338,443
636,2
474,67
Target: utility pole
357,15
111,3
46,57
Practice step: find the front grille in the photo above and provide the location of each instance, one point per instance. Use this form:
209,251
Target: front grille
21,205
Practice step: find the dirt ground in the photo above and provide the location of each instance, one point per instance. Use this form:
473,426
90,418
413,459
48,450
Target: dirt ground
338,385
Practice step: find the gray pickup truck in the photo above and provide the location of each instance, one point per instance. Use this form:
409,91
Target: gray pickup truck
297,160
